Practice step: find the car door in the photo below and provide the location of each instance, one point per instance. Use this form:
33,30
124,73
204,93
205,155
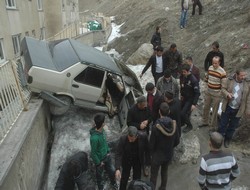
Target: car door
87,87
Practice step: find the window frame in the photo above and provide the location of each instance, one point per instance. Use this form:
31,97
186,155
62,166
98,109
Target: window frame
39,5
10,4
2,58
16,40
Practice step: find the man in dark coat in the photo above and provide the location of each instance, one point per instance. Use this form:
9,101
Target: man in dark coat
130,153
190,92
153,99
173,59
139,115
163,139
73,172
193,69
156,38
157,63
215,52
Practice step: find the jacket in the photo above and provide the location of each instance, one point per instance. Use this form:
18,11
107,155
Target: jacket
156,39
122,151
196,72
163,139
136,116
161,85
99,145
152,62
190,89
156,104
173,59
245,101
209,58
65,180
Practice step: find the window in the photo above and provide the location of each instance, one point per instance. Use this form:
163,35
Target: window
91,76
39,5
10,4
16,44
2,57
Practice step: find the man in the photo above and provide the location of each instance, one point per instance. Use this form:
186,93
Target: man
139,115
156,38
129,154
190,92
184,13
216,79
168,83
100,153
163,139
235,103
174,108
73,172
157,63
217,169
153,99
193,69
195,3
174,60
215,52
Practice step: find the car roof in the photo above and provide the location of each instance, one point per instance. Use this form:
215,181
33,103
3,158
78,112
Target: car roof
61,54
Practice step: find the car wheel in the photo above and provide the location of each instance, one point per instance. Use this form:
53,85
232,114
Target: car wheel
56,110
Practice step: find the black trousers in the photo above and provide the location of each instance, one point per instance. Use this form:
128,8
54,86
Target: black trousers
186,111
164,174
126,167
199,5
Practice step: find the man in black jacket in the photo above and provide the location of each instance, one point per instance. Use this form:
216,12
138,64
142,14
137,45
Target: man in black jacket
163,139
157,63
215,52
139,115
190,92
153,100
156,38
173,59
73,172
130,153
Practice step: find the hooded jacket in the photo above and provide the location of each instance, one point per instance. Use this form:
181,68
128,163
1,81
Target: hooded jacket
163,139
99,145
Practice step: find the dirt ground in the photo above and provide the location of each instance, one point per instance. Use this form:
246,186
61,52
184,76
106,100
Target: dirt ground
225,21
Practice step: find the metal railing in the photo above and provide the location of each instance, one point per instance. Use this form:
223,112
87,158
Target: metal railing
13,96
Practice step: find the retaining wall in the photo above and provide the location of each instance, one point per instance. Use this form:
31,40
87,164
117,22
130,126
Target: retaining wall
24,150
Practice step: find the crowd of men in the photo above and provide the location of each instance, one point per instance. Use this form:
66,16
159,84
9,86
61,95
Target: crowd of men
155,121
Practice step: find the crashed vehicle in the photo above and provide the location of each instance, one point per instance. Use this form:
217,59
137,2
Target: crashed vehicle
66,72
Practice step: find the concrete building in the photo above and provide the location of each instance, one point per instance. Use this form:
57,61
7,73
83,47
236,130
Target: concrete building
37,18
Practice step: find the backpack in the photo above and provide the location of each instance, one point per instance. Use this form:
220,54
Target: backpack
141,185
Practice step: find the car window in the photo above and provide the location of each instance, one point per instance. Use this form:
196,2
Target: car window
91,76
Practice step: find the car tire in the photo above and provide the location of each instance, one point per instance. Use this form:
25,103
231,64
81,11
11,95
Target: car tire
56,110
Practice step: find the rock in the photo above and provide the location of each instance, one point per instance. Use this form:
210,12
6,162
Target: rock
191,148
141,55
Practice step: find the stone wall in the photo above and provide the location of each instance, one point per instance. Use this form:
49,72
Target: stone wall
24,150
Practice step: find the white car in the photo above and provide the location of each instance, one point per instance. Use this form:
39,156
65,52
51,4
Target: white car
67,71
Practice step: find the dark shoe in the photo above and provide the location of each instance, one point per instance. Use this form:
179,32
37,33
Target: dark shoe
226,143
203,125
187,128
146,171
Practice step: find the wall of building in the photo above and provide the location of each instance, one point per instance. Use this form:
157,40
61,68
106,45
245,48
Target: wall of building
24,150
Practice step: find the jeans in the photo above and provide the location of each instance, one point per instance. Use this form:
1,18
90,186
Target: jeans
229,122
109,168
164,174
183,20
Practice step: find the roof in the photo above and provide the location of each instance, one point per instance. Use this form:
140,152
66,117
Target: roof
61,54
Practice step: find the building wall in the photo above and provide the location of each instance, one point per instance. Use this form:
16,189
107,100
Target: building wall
22,20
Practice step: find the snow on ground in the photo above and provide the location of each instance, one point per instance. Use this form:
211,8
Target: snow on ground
115,32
